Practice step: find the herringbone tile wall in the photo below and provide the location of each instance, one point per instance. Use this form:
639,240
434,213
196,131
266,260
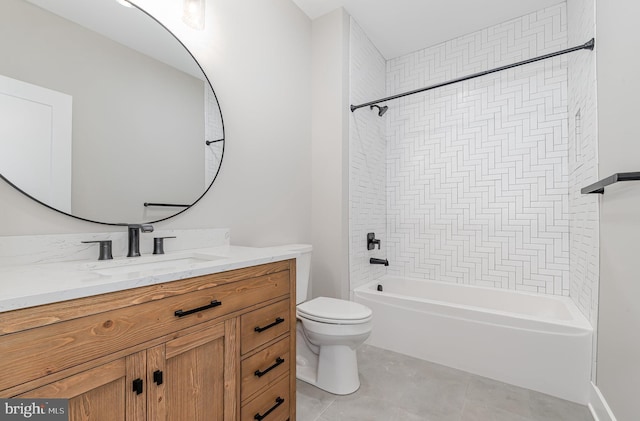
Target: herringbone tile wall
584,256
477,172
367,149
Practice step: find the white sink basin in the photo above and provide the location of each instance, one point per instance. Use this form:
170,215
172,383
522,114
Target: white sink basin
150,264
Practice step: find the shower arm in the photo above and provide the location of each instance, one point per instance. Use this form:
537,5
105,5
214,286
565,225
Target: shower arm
586,46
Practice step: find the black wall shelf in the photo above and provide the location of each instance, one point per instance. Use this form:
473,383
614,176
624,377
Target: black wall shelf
173,205
600,185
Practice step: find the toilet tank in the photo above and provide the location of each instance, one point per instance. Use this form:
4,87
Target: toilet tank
303,268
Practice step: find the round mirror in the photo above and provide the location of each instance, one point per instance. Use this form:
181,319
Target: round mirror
104,114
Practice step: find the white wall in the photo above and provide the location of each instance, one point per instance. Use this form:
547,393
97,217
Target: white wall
367,156
258,57
618,368
330,183
477,171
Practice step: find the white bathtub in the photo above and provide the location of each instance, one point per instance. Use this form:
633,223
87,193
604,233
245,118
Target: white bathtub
534,341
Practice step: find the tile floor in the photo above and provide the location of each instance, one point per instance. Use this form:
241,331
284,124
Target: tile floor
395,387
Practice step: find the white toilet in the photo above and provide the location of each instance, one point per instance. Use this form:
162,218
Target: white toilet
328,332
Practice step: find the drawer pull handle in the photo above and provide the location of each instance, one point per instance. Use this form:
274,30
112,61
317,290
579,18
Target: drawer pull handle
259,373
262,329
181,313
137,386
259,417
157,377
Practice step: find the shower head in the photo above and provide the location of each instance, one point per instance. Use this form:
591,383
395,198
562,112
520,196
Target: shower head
381,110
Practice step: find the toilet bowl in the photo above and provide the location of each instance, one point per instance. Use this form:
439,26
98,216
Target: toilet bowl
328,332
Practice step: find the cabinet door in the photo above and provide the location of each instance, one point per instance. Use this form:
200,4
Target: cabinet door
104,393
194,372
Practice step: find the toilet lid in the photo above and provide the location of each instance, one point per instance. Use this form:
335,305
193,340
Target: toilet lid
332,309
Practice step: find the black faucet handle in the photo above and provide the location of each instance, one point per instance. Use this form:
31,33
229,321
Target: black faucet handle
105,249
158,244
372,241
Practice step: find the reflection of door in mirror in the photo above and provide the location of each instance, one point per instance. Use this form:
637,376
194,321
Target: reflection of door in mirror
35,143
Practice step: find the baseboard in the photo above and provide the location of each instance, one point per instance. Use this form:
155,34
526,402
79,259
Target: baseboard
598,406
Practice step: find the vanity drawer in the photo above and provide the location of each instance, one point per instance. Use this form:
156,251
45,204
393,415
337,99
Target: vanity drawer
261,369
271,405
260,326
35,353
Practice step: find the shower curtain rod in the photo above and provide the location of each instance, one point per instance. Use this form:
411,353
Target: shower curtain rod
587,46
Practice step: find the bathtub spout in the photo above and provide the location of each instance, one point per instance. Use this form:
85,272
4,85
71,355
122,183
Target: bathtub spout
375,261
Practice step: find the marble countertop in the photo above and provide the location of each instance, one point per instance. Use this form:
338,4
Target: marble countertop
23,286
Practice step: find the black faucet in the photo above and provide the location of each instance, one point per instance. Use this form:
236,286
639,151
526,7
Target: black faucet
375,261
134,237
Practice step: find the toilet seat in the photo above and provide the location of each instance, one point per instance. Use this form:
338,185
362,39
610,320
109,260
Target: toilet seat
334,311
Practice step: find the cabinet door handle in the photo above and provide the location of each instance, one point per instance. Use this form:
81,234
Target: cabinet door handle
261,329
137,386
157,377
259,417
259,373
182,313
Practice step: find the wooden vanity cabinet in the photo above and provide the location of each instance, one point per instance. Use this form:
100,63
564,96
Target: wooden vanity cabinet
136,355
100,393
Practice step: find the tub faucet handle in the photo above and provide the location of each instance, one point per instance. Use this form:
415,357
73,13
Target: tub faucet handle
372,241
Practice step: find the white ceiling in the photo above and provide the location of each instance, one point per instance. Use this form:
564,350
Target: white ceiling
398,27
